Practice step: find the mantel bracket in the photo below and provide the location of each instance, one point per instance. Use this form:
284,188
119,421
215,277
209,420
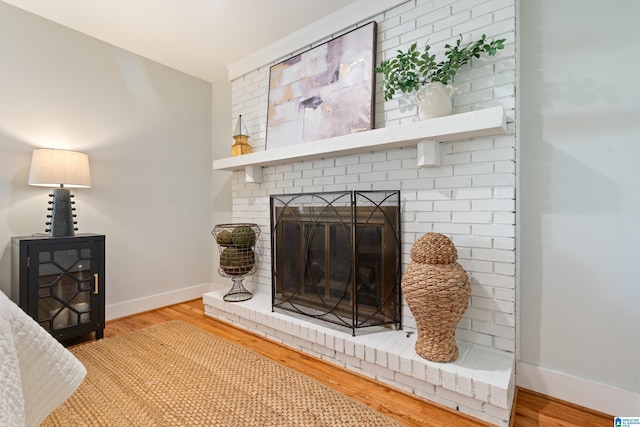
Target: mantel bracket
428,153
253,174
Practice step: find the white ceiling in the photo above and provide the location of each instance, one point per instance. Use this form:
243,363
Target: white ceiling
197,37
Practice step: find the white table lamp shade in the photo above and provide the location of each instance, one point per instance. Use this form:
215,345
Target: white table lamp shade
55,168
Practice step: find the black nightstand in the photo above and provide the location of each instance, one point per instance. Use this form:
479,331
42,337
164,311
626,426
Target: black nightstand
59,281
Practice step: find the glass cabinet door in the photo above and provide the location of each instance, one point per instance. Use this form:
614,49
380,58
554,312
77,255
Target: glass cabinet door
65,286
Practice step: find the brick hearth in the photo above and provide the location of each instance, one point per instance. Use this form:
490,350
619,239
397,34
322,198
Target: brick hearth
479,383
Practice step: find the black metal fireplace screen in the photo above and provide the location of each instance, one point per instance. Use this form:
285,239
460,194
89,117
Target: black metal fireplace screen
336,256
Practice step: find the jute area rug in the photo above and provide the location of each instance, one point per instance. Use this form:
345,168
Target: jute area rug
175,374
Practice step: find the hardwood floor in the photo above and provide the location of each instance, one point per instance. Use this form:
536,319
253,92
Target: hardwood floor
531,409
535,409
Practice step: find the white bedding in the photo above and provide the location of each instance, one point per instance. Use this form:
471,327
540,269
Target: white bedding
36,372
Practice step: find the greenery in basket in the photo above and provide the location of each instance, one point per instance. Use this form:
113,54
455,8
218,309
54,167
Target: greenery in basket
410,70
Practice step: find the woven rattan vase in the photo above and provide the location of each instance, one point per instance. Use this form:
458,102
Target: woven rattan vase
437,290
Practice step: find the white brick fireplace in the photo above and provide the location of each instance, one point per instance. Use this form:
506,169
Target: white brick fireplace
469,197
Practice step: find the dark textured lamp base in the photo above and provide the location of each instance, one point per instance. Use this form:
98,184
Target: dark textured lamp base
62,223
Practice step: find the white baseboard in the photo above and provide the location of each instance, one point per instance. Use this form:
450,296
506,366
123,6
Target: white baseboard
603,398
127,308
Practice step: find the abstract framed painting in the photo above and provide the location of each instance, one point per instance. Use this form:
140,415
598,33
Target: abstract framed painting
324,92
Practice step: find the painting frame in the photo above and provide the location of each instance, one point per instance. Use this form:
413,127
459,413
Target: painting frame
323,92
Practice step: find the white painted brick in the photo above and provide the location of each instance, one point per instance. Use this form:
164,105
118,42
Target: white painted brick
481,70
493,155
473,169
379,156
456,159
482,385
387,165
419,370
472,193
474,23
440,194
464,253
300,166
493,280
504,344
353,362
402,153
445,228
494,230
464,383
500,205
418,184
494,255
323,180
332,171
504,193
359,350
323,163
504,167
505,268
453,182
494,411
458,399
419,206
452,206
474,337
434,373
415,384
504,218
433,216
478,313
472,241
493,329
402,174
493,180
495,306
500,389
476,266
441,171
504,243
471,217
398,30
341,359
504,294
505,319
393,361
373,177
310,173
448,373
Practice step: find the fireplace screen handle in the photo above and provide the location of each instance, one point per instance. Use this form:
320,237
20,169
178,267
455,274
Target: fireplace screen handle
96,287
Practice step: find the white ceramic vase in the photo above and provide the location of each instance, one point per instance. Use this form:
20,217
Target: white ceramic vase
434,100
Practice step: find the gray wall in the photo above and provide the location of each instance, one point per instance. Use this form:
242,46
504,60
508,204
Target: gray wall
579,135
147,131
221,180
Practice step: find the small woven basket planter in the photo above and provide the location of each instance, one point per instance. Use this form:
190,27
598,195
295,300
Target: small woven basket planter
437,290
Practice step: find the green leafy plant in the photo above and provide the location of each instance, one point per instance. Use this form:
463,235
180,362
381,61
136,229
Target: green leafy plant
410,70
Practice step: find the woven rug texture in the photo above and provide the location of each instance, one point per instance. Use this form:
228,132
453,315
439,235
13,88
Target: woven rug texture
175,374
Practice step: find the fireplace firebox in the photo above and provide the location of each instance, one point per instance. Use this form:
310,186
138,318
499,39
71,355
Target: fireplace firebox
336,256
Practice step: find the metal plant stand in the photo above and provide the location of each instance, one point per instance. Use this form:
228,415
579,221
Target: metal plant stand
236,243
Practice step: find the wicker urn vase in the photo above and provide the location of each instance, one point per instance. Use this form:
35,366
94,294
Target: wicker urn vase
437,290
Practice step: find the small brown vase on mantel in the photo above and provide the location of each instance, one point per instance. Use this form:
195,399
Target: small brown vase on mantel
437,290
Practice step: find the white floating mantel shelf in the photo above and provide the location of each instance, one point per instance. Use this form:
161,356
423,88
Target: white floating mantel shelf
425,134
